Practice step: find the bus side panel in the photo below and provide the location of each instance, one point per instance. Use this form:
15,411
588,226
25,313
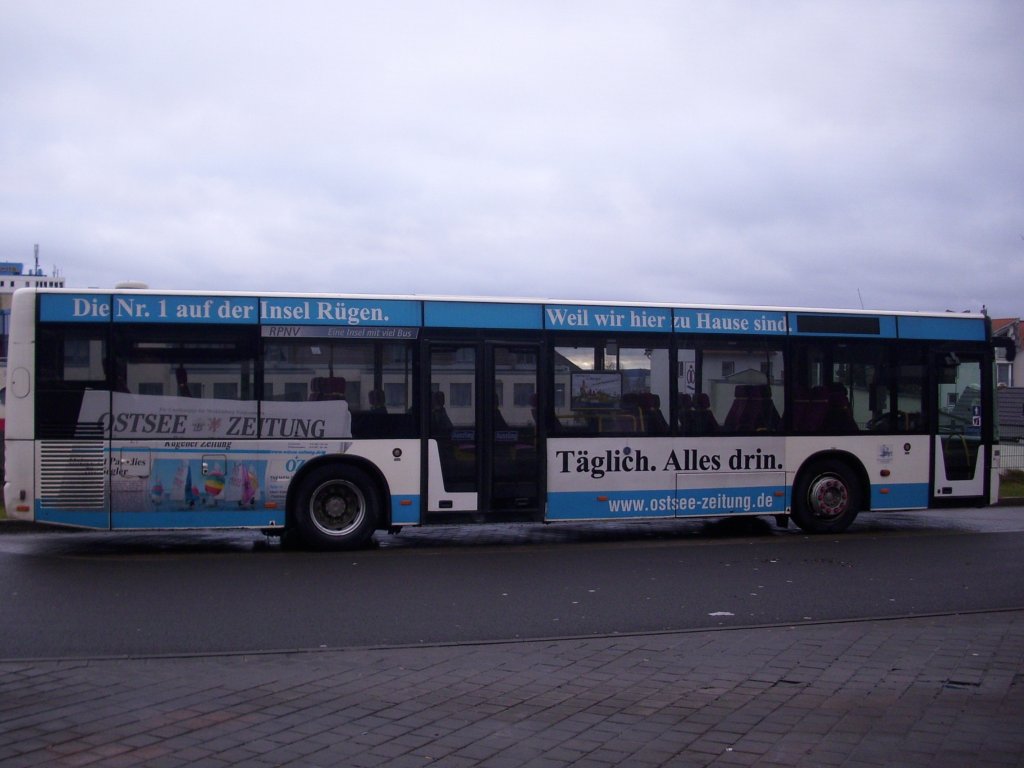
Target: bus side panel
638,477
192,484
240,484
19,487
398,462
897,466
19,414
73,483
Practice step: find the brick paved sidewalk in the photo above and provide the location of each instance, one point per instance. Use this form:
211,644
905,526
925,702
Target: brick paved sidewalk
945,691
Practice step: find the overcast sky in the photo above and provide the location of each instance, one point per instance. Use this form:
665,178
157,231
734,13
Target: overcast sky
832,154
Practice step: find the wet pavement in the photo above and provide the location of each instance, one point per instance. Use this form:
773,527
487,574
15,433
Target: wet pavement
939,690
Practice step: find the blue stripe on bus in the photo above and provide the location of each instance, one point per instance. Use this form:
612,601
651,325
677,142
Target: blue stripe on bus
942,328
731,321
401,514
340,311
199,518
74,307
241,310
588,317
219,310
838,325
619,505
899,496
77,518
473,314
249,310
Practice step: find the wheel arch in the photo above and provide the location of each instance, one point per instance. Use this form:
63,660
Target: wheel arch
336,459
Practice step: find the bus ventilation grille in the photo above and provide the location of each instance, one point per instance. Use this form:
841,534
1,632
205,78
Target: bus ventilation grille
72,475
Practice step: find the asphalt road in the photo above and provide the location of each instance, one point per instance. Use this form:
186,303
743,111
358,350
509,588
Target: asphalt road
72,595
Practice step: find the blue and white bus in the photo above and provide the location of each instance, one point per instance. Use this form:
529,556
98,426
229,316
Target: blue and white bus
336,416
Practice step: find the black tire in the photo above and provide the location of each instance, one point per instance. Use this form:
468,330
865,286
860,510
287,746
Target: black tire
827,497
336,507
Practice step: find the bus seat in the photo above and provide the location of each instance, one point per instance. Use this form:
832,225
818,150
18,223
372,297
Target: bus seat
761,414
654,419
838,416
327,388
440,422
616,422
704,421
810,410
685,416
378,403
632,404
737,413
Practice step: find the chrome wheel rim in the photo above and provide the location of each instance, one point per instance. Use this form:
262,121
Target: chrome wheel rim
337,507
828,497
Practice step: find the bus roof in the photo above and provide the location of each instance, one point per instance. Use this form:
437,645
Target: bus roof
466,299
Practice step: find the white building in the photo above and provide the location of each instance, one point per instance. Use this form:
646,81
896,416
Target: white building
1009,373
12,277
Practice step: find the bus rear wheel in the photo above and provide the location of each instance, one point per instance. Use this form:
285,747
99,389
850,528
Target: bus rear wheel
336,507
827,497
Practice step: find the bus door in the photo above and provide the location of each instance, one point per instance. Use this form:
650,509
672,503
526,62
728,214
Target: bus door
959,457
482,453
513,466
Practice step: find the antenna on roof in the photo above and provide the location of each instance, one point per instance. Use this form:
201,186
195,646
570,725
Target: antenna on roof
861,299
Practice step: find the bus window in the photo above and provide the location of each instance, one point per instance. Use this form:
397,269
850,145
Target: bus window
847,388
373,379
743,386
208,372
911,382
69,363
612,389
862,376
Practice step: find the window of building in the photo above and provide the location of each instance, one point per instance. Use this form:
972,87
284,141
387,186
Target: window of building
523,393
460,395
1004,374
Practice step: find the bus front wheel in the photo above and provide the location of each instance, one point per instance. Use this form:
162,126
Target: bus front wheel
827,497
336,507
